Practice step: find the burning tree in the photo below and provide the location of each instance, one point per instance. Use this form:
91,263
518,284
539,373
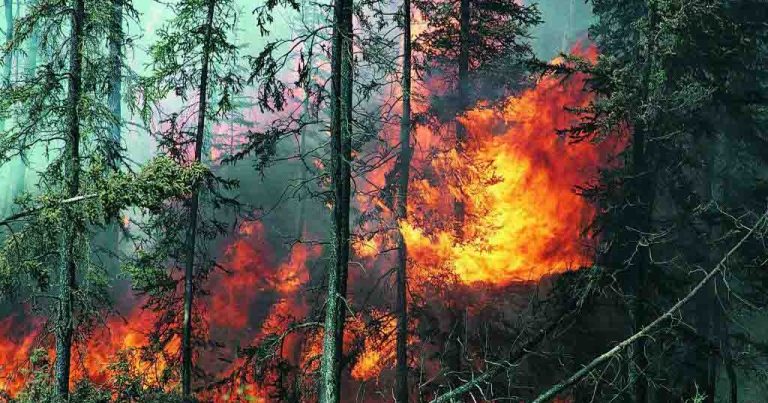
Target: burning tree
194,52
58,108
591,226
664,213
477,49
675,83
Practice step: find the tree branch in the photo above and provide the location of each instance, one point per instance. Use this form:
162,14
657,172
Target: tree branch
539,337
22,214
578,375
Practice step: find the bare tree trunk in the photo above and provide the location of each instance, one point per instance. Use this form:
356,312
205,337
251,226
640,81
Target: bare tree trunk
73,225
401,388
341,156
300,217
191,241
307,117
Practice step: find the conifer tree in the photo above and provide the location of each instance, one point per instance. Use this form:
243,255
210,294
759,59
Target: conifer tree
673,78
404,162
60,111
341,158
195,53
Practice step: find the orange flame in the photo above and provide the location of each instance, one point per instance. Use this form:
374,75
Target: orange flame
523,217
523,221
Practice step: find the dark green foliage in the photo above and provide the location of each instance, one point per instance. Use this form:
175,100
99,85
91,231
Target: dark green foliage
682,82
499,45
193,58
30,251
58,114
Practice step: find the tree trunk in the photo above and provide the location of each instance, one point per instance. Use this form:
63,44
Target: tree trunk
638,275
10,194
341,156
73,226
115,42
302,174
115,77
453,347
8,62
567,32
33,43
712,323
733,381
463,93
401,387
463,84
191,241
642,192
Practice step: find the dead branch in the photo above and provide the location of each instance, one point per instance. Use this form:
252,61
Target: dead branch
523,351
578,375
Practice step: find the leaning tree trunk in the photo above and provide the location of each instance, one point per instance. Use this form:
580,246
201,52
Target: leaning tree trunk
401,388
341,156
191,241
73,226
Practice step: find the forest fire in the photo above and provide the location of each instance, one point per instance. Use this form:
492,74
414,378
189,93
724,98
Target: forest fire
121,340
523,221
346,201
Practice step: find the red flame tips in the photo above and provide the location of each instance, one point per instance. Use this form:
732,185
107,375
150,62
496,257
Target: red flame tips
523,218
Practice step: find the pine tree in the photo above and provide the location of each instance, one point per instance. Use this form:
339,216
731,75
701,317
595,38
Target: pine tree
672,77
403,166
184,63
61,112
477,47
341,158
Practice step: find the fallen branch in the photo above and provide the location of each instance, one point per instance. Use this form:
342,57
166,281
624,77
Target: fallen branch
578,375
523,351
22,214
